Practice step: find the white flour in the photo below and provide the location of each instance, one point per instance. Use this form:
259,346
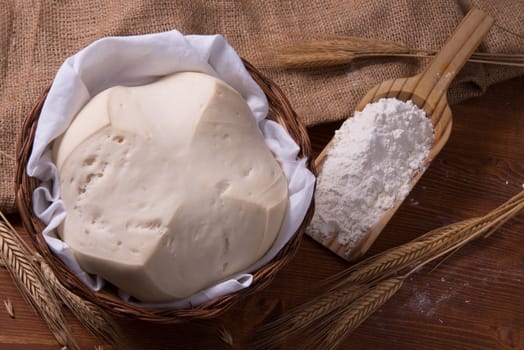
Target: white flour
368,168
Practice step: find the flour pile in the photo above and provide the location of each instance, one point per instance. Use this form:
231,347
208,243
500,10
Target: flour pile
369,167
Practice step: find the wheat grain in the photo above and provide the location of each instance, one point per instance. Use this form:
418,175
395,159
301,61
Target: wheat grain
24,273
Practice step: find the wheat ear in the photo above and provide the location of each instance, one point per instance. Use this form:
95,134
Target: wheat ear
379,274
395,259
357,312
339,50
25,274
303,316
96,320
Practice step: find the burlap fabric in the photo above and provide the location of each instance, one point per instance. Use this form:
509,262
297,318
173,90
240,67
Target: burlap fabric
36,36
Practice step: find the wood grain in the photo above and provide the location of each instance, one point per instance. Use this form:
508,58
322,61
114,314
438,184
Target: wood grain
471,301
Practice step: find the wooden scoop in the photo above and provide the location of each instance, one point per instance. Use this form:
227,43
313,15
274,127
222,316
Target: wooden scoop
428,91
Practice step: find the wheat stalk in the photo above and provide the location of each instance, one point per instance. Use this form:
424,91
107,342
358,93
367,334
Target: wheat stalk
24,273
340,50
302,317
358,312
395,259
379,278
91,316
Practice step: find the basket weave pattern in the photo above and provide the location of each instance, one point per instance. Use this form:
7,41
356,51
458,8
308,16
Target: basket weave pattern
280,111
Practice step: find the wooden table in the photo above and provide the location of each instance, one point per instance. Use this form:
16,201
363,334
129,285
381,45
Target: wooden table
474,300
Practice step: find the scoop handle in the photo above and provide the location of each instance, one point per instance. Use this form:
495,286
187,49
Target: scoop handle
437,77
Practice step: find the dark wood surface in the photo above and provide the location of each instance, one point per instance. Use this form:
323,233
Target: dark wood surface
474,300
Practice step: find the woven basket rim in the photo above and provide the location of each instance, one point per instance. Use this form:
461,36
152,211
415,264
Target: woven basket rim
281,111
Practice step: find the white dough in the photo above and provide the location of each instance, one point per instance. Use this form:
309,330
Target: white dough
169,187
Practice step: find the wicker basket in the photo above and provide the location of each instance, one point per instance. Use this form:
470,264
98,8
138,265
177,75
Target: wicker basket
280,111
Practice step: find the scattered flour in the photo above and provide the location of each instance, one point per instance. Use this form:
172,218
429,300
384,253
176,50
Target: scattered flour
369,167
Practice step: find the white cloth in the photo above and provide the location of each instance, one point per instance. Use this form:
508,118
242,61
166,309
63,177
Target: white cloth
138,60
